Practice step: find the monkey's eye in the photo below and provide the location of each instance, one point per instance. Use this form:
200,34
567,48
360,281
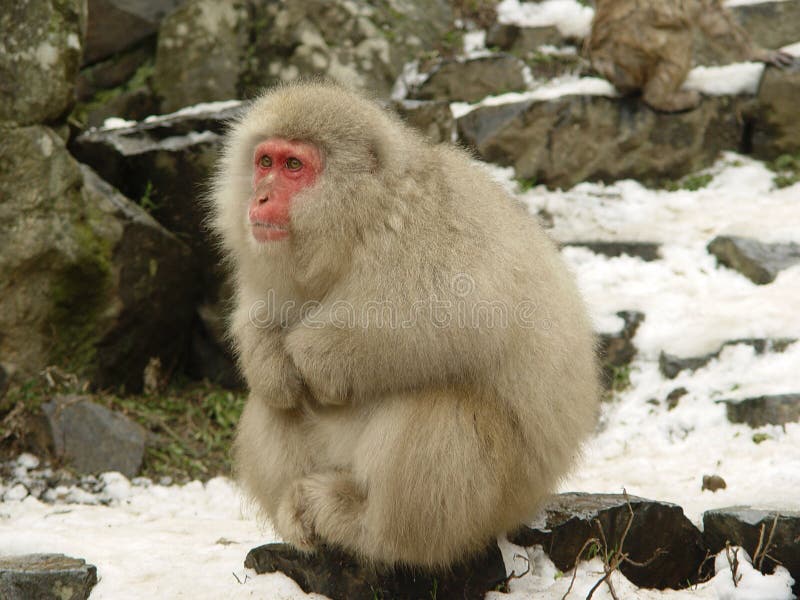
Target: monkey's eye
293,164
265,161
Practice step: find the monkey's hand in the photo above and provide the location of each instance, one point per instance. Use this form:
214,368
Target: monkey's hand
269,371
314,355
776,58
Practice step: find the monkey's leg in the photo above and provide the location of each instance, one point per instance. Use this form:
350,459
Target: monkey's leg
271,452
430,484
662,91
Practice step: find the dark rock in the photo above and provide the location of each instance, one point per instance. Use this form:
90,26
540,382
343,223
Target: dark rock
619,138
770,24
433,118
775,129
112,72
115,25
210,353
670,365
40,57
764,410
165,162
617,349
647,251
522,40
675,396
758,261
93,439
658,529
742,526
472,79
88,280
45,577
334,574
130,105
713,483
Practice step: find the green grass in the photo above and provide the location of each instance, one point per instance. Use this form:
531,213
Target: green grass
787,170
691,183
192,424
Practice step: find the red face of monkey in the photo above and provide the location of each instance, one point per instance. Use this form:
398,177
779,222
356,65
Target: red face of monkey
281,168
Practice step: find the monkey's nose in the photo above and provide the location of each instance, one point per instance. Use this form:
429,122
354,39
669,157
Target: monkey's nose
263,199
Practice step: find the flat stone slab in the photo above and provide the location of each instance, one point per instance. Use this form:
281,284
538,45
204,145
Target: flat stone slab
340,577
660,536
758,261
670,365
46,577
764,410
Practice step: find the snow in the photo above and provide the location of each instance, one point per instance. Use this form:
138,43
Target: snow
727,80
158,541
570,17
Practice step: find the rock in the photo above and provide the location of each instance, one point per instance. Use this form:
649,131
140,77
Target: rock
198,58
215,51
112,72
570,139
472,79
764,410
647,251
45,577
741,526
674,397
775,128
115,25
338,576
572,519
758,261
771,24
93,439
39,58
210,352
433,118
88,280
713,483
617,349
670,365
522,40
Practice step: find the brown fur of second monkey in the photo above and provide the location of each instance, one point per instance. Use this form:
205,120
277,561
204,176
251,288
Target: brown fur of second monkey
413,444
647,45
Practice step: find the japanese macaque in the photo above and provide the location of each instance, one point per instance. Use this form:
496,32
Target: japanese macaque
646,45
420,363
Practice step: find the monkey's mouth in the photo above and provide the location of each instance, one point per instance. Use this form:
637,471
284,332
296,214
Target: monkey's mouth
268,232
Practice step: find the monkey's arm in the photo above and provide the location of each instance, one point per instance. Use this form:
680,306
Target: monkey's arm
268,369
345,356
723,30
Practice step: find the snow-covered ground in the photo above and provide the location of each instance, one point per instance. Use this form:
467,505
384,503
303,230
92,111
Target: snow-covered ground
152,541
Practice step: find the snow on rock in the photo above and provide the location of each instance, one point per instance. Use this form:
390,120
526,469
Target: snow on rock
727,80
572,18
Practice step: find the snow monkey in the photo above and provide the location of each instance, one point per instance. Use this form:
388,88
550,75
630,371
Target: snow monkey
420,363
647,45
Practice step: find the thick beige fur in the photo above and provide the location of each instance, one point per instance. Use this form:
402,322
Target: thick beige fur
408,434
647,45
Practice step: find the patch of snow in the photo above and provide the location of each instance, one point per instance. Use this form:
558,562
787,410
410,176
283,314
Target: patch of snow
555,88
751,584
197,109
727,80
117,123
570,17
793,49
474,42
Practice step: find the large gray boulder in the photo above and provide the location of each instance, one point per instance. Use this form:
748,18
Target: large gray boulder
570,139
472,79
91,438
88,280
40,53
760,262
209,50
775,126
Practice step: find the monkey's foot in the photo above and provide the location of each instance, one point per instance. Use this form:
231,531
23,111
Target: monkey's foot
677,102
340,576
322,507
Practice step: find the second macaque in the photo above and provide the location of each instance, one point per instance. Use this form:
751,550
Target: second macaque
646,45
